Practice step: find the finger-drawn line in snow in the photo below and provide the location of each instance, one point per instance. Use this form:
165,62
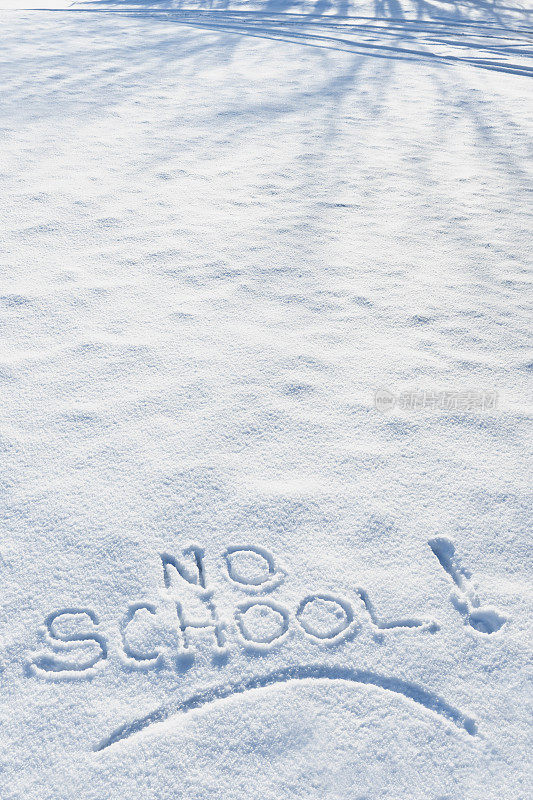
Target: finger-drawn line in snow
61,641
134,656
483,619
253,568
408,622
335,611
411,691
275,619
193,574
212,624
189,617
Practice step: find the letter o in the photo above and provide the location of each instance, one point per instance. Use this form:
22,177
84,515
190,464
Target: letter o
276,608
344,616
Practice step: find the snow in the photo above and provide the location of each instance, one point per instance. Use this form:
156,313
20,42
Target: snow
230,568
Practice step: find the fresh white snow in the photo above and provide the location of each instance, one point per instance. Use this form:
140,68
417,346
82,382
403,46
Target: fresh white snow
224,227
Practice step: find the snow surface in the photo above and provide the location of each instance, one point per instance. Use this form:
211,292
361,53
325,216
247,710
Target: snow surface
224,226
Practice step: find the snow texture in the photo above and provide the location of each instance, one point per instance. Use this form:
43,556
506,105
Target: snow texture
265,424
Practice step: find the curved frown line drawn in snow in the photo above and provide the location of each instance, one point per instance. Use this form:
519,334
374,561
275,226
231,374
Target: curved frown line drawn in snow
411,691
